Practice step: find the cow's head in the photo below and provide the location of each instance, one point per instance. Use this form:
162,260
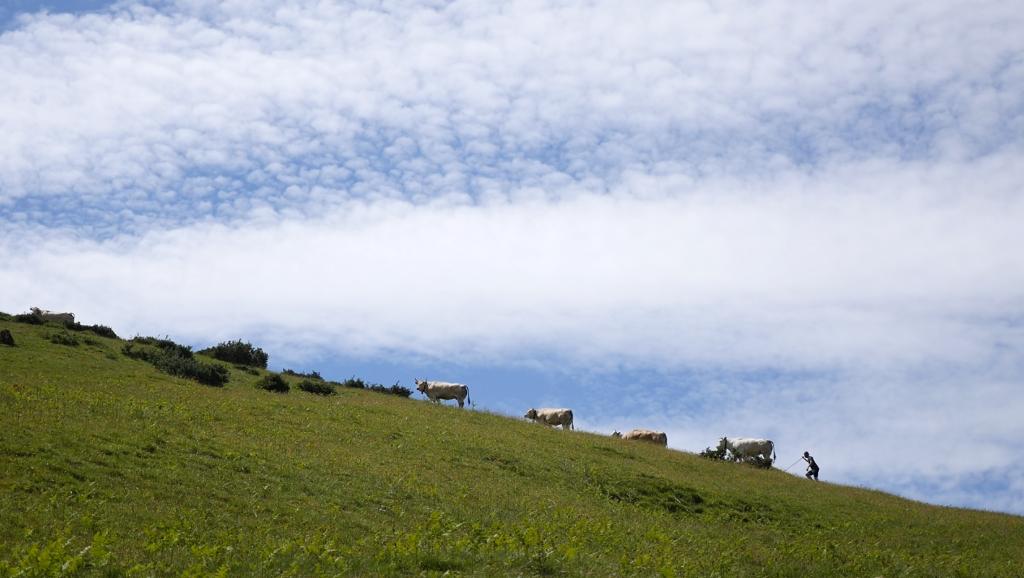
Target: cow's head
616,434
532,414
421,385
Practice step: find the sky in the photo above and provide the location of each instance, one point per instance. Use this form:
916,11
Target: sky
722,218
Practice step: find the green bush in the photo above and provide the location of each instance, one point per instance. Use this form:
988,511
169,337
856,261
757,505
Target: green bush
275,383
317,387
5,316
64,339
310,375
247,369
358,383
714,454
30,318
166,345
391,390
101,330
719,453
174,359
205,373
240,352
354,382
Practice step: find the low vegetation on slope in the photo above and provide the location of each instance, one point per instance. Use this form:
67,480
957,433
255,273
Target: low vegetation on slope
111,467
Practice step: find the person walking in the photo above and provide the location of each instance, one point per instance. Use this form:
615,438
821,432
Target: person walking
812,467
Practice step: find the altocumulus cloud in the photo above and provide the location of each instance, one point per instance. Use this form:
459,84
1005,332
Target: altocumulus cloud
211,107
738,216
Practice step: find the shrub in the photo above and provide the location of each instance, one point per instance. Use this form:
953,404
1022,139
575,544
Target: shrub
174,359
715,454
354,382
64,339
5,316
166,345
711,454
317,387
30,318
205,373
399,390
238,352
211,374
392,390
247,369
310,375
275,383
101,330
358,383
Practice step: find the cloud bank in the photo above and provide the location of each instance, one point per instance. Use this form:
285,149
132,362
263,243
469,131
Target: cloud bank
190,109
746,216
833,274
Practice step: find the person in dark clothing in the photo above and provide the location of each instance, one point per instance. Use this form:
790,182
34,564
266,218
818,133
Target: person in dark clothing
812,467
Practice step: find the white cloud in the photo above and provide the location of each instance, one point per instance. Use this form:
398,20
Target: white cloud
418,100
833,270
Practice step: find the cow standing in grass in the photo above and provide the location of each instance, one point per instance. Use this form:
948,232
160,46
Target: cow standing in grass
655,437
552,417
438,390
53,315
745,448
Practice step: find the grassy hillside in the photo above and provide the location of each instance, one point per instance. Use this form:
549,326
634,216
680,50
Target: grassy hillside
110,467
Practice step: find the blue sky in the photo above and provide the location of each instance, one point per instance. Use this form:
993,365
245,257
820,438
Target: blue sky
739,218
10,9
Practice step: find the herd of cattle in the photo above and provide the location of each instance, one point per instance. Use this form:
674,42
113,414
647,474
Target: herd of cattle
436,391
739,448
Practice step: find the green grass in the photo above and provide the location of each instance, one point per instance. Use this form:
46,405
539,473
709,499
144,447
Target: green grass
109,467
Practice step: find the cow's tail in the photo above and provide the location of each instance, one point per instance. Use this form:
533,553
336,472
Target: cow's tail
572,426
773,452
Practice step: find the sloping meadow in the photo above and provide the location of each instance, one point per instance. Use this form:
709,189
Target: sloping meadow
111,467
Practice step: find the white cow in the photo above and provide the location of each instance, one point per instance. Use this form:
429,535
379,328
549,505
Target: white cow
438,390
742,448
551,416
647,435
53,315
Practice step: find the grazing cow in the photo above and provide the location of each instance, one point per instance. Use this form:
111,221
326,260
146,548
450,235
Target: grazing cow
53,315
438,390
743,448
551,417
657,437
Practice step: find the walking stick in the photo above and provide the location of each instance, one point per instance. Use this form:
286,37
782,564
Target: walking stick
793,464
